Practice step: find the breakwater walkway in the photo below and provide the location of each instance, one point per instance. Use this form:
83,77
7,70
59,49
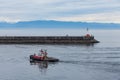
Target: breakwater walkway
47,40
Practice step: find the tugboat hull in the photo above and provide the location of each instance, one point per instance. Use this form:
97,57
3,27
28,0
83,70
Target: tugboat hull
49,59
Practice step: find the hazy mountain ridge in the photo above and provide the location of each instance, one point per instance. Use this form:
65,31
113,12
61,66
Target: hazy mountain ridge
59,24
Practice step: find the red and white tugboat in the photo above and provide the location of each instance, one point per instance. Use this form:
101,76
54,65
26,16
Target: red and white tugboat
42,57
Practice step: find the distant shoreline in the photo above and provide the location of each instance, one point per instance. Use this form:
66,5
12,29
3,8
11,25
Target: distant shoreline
59,24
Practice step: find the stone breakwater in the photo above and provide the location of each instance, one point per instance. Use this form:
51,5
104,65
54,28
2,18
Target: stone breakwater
47,40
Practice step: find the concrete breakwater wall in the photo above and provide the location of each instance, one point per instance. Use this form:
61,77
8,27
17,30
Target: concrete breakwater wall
46,40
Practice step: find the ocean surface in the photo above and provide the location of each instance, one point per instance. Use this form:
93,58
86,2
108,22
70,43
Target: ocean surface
99,61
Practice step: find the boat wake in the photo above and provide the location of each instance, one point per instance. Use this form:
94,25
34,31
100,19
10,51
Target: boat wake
91,62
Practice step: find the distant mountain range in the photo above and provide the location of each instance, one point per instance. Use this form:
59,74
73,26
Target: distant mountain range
59,24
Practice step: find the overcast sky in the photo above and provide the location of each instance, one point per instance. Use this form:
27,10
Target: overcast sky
61,10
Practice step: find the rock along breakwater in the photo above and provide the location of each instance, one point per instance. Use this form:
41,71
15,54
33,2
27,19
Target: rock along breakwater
47,40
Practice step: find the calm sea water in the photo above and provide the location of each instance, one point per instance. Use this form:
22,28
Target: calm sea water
77,62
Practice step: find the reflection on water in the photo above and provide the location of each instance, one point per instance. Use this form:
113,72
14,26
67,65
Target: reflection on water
42,65
84,44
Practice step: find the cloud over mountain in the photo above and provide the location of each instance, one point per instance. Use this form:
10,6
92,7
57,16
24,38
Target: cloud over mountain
61,10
